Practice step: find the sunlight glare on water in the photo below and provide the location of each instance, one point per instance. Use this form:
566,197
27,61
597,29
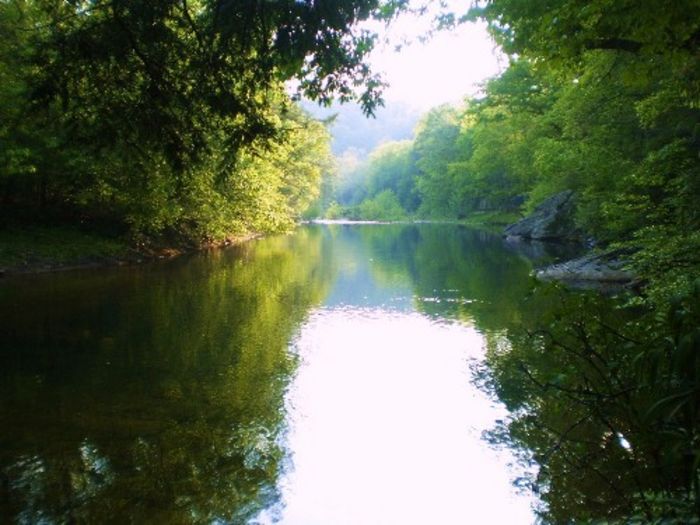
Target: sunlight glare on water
385,426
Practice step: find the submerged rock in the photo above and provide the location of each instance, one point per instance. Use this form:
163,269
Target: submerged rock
592,267
551,220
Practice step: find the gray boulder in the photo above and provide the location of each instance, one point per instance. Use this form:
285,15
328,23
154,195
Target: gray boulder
593,267
552,220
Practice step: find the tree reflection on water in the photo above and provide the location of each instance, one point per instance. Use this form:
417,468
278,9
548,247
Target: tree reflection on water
158,393
153,394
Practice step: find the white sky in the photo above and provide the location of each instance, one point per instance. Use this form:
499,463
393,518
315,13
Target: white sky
445,69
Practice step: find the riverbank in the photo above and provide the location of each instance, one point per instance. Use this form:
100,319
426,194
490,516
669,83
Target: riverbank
41,249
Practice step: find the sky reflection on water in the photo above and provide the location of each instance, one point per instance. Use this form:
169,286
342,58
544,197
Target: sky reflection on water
386,426
385,423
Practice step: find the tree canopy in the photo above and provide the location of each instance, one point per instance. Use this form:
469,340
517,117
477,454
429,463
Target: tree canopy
150,114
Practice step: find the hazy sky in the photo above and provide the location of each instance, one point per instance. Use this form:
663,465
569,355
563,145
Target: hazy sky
452,64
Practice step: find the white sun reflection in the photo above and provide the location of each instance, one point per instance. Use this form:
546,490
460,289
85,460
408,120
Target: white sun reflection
385,426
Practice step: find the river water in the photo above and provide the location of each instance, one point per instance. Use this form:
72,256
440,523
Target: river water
322,377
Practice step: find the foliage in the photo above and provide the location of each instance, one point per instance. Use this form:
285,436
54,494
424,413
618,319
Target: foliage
390,170
334,211
604,398
384,206
633,159
171,118
435,148
51,245
414,171
601,98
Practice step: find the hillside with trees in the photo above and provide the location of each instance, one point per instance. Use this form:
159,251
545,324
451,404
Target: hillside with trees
353,133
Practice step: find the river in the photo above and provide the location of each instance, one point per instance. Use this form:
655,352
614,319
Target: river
329,376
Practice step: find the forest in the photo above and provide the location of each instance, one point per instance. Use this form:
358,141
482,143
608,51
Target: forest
170,122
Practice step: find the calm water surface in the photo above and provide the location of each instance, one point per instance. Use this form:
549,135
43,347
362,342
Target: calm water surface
323,377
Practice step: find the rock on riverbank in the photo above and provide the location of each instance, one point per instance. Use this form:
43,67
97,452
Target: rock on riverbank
592,267
553,220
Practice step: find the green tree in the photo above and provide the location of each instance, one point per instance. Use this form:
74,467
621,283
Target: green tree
435,146
392,167
638,66
384,206
150,117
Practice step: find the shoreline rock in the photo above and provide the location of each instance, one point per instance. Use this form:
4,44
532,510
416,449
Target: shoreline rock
552,220
603,268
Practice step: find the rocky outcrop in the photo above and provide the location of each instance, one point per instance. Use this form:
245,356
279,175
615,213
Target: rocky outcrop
593,267
552,220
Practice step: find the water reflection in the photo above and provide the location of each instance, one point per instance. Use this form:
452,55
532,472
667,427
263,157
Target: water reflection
152,394
595,401
386,426
162,394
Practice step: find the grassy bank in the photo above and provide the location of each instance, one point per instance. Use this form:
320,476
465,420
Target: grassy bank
37,249
46,248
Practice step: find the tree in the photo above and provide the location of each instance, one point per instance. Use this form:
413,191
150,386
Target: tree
143,115
392,167
565,29
638,64
435,148
384,206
